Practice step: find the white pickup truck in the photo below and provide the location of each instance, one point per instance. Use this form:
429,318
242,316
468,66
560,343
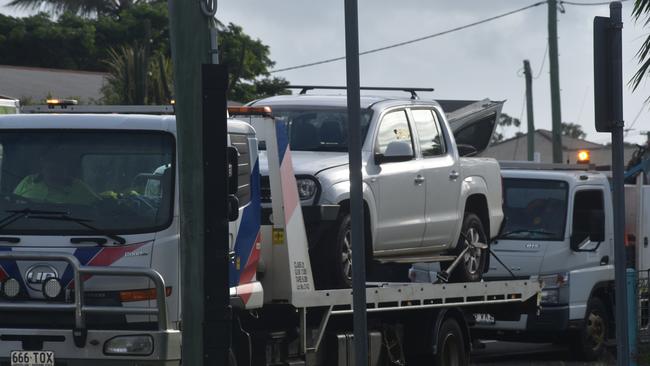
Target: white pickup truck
423,202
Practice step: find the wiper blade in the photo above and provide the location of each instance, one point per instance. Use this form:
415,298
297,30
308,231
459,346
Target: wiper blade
531,231
83,222
15,215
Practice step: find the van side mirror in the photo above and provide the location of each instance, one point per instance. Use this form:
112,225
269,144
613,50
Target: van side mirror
233,169
233,207
596,233
395,151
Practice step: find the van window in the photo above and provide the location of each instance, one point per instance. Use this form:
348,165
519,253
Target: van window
243,168
585,203
534,209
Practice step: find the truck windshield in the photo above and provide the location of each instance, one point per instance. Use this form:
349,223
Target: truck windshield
324,129
117,182
534,209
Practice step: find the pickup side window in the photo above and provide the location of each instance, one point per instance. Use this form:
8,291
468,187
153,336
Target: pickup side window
394,127
431,142
586,204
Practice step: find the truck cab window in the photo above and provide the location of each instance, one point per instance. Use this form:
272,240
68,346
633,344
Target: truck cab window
586,204
431,141
394,127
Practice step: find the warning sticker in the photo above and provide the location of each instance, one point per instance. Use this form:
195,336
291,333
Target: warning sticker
278,236
300,273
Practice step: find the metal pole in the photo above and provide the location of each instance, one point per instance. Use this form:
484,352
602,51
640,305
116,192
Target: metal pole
190,49
529,109
556,112
356,202
617,181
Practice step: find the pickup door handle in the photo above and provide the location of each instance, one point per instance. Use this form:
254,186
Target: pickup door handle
454,175
419,179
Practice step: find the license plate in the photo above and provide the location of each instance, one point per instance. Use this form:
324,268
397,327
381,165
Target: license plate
484,319
32,358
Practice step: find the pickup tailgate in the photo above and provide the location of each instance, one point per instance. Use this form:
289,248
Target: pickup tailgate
472,121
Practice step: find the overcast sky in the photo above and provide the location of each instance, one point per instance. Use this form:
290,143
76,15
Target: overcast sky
480,62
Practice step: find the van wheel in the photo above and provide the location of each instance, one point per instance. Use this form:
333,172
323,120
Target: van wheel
591,341
450,345
472,266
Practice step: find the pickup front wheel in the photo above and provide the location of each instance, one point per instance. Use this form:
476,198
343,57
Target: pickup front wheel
472,265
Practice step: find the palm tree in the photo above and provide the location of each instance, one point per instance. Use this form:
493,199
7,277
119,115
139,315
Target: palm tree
83,7
642,11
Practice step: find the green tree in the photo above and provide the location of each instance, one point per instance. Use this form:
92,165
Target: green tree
83,7
573,130
505,120
641,12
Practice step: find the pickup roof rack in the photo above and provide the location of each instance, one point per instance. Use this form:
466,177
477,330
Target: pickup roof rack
305,88
100,109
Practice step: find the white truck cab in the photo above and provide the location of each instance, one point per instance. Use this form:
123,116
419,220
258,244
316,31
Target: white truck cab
558,226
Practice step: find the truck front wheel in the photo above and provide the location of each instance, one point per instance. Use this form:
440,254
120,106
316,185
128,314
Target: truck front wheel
450,345
472,265
591,342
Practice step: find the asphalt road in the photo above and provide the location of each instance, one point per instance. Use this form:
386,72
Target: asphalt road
529,354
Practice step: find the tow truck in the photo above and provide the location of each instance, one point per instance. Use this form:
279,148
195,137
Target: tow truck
131,277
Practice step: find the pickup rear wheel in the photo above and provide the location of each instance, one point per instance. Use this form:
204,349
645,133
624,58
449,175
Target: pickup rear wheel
472,266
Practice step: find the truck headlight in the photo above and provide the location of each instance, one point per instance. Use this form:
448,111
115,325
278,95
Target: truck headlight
551,296
307,187
140,345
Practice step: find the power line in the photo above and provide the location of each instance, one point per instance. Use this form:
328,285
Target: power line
413,40
586,4
543,62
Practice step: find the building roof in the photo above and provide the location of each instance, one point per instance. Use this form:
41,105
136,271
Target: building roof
36,83
568,143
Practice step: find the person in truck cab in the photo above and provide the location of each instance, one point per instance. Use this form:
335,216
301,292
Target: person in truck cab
55,182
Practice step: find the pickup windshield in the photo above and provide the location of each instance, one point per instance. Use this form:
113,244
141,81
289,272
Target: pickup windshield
534,209
117,182
319,129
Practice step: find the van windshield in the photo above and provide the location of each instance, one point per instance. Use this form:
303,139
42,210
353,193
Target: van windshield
319,129
118,182
534,209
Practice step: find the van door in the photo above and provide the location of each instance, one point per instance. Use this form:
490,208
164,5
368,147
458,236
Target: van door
535,212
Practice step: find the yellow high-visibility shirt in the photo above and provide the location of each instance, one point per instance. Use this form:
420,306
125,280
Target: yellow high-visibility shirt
34,188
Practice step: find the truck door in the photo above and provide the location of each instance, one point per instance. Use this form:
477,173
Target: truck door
399,187
535,211
585,249
442,184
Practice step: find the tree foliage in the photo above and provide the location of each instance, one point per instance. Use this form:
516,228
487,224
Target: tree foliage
641,12
120,31
573,130
505,120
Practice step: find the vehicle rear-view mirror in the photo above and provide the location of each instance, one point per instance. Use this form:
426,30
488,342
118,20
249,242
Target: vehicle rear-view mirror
395,151
233,208
596,233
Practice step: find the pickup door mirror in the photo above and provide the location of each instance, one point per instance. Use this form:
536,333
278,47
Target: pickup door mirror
466,150
395,151
595,225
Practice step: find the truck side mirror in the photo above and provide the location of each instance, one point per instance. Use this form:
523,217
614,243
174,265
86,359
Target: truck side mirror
233,169
395,151
233,207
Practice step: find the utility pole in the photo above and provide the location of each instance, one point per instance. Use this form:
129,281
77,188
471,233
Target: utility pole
360,326
556,111
191,49
529,111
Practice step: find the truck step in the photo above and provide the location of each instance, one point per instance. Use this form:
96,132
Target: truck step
416,259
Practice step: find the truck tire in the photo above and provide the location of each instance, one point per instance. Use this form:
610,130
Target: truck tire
471,268
339,260
450,345
591,340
